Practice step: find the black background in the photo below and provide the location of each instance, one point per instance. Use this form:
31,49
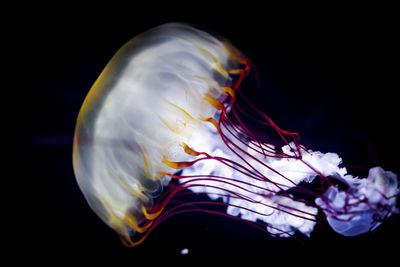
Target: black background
327,73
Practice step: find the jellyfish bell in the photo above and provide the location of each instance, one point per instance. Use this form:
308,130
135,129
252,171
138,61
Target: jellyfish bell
159,111
146,103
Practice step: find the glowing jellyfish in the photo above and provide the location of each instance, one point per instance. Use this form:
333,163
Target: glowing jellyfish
165,108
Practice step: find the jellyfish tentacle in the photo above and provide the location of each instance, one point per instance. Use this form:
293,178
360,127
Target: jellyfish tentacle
166,117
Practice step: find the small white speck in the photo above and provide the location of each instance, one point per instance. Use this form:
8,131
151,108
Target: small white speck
184,251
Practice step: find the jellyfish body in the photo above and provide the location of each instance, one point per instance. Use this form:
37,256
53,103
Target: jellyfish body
144,105
161,105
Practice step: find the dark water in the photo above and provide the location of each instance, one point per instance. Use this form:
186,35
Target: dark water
330,79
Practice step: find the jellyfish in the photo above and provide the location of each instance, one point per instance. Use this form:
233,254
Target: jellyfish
166,117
